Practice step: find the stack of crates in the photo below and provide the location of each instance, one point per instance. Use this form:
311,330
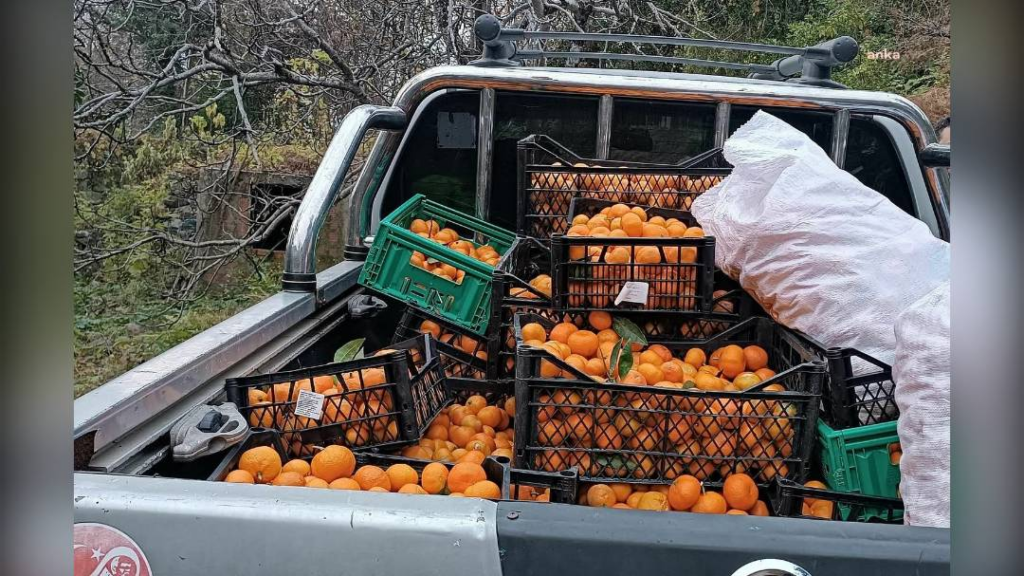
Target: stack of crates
566,418
541,276
859,449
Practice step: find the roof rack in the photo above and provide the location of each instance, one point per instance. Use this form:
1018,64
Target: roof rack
810,65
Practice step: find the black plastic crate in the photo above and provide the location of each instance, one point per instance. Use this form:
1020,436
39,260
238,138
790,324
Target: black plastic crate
589,273
525,260
384,400
463,353
550,176
654,434
852,399
529,257
494,391
788,498
467,355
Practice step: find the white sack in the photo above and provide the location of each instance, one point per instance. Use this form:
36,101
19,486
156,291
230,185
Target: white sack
921,373
820,251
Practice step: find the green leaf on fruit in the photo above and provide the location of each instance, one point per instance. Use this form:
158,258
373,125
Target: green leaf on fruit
628,331
622,361
625,360
351,350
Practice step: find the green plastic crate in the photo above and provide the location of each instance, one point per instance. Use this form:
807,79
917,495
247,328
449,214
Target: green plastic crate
856,460
388,271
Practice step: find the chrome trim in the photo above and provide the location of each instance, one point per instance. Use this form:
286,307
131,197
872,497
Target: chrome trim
840,132
300,256
193,527
931,210
484,152
605,111
691,87
380,158
723,112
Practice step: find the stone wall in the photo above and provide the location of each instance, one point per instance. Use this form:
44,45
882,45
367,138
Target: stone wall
209,206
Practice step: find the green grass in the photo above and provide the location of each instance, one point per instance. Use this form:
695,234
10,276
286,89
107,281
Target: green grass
119,327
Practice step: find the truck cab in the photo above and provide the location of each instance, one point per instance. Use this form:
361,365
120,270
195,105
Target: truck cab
451,134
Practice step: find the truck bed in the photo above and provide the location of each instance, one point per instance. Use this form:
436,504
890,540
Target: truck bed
189,526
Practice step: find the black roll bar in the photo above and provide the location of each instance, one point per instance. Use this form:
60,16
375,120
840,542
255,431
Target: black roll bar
810,65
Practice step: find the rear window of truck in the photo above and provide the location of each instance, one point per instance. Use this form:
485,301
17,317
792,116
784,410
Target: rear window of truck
440,155
660,132
872,158
817,125
569,120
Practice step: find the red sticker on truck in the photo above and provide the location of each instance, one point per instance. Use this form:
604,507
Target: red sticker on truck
102,550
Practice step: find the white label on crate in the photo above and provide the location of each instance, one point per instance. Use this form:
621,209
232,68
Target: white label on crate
635,292
310,405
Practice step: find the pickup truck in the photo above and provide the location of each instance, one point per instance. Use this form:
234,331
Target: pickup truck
451,134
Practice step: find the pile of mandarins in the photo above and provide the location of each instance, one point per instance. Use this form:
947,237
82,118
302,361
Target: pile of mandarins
670,284
817,507
335,468
703,435
431,230
622,221
729,368
739,496
661,190
468,432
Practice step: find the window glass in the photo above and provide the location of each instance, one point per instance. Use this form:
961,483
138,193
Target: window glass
872,159
660,132
569,120
817,125
439,155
